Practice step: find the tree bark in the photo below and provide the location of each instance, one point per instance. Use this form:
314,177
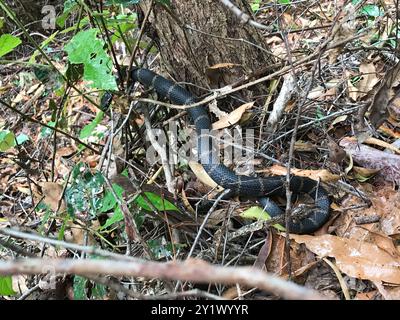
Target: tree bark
195,35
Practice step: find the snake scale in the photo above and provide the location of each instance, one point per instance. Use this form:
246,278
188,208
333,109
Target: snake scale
259,187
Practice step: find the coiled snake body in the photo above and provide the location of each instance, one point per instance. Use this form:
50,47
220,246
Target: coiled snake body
223,176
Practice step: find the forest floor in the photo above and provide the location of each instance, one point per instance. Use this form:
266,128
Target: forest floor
86,189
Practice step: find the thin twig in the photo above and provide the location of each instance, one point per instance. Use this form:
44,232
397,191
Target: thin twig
244,17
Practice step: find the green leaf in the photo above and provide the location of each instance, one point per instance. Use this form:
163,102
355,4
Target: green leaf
6,286
87,49
45,132
88,129
372,10
21,138
7,140
7,43
109,202
69,7
255,5
116,217
79,288
119,216
99,291
158,202
257,213
162,249
85,191
284,2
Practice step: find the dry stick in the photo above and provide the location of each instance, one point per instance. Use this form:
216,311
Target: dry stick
161,151
113,54
26,117
191,270
27,293
244,18
72,246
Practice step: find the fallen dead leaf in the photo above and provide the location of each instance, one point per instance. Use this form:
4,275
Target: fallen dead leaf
53,192
368,79
232,117
223,65
356,258
323,175
202,175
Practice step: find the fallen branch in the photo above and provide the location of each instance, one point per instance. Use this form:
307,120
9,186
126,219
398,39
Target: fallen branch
192,270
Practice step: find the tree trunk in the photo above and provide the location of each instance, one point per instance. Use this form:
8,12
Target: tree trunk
198,34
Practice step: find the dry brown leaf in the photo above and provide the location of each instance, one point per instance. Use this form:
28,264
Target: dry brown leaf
53,192
380,102
353,91
202,175
363,174
366,295
224,65
66,151
80,235
336,121
368,79
304,146
232,117
380,143
341,31
387,292
385,204
389,131
323,174
356,258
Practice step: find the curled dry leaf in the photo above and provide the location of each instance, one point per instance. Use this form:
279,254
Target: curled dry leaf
224,65
356,258
323,175
372,140
202,175
363,174
232,117
380,102
368,79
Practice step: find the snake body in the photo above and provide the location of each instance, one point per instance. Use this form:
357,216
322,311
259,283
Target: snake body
259,187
